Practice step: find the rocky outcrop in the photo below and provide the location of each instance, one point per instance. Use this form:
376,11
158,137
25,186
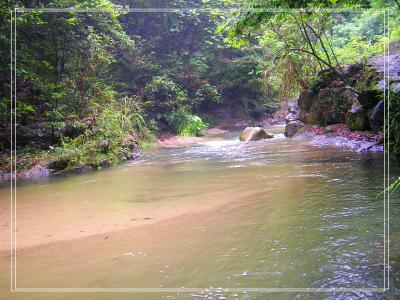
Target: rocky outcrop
325,106
254,134
293,124
393,70
351,95
339,97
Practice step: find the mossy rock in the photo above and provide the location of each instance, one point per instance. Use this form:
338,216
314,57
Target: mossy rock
356,118
306,99
330,106
323,79
368,79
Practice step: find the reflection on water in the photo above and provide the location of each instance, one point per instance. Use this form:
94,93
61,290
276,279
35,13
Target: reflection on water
270,214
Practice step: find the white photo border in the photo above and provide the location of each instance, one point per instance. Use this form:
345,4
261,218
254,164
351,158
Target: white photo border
386,152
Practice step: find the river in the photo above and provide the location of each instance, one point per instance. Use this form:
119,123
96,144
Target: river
219,214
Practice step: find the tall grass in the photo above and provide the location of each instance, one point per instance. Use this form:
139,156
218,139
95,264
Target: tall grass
111,138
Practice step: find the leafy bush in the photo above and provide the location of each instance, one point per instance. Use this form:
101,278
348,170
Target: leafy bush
187,124
162,96
208,93
112,138
131,114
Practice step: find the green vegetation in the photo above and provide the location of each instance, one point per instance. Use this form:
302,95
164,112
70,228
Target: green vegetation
394,187
92,86
187,124
302,45
108,140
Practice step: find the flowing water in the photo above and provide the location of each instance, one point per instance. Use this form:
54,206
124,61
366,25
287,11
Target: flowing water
219,214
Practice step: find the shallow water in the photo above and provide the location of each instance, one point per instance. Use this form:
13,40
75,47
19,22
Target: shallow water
270,214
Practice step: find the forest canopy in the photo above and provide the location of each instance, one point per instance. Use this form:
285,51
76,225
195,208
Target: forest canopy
147,73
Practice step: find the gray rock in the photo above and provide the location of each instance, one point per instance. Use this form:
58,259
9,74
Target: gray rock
306,99
293,127
36,172
5,176
294,107
79,169
393,67
346,143
328,129
291,116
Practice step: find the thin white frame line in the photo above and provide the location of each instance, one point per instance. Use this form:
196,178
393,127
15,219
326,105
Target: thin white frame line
384,157
385,160
13,168
12,148
176,10
15,148
388,175
385,48
387,80
387,89
185,290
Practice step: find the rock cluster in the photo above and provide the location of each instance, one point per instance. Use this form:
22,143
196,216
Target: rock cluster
293,124
351,95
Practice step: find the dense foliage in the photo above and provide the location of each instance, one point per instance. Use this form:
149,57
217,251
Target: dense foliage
300,43
88,82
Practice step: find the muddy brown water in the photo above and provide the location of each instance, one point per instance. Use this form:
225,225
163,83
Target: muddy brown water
219,214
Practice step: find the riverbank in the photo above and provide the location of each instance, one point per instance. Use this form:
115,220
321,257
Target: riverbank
37,163
339,135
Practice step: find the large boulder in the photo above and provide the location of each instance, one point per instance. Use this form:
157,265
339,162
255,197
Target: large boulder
306,99
356,117
254,134
331,105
